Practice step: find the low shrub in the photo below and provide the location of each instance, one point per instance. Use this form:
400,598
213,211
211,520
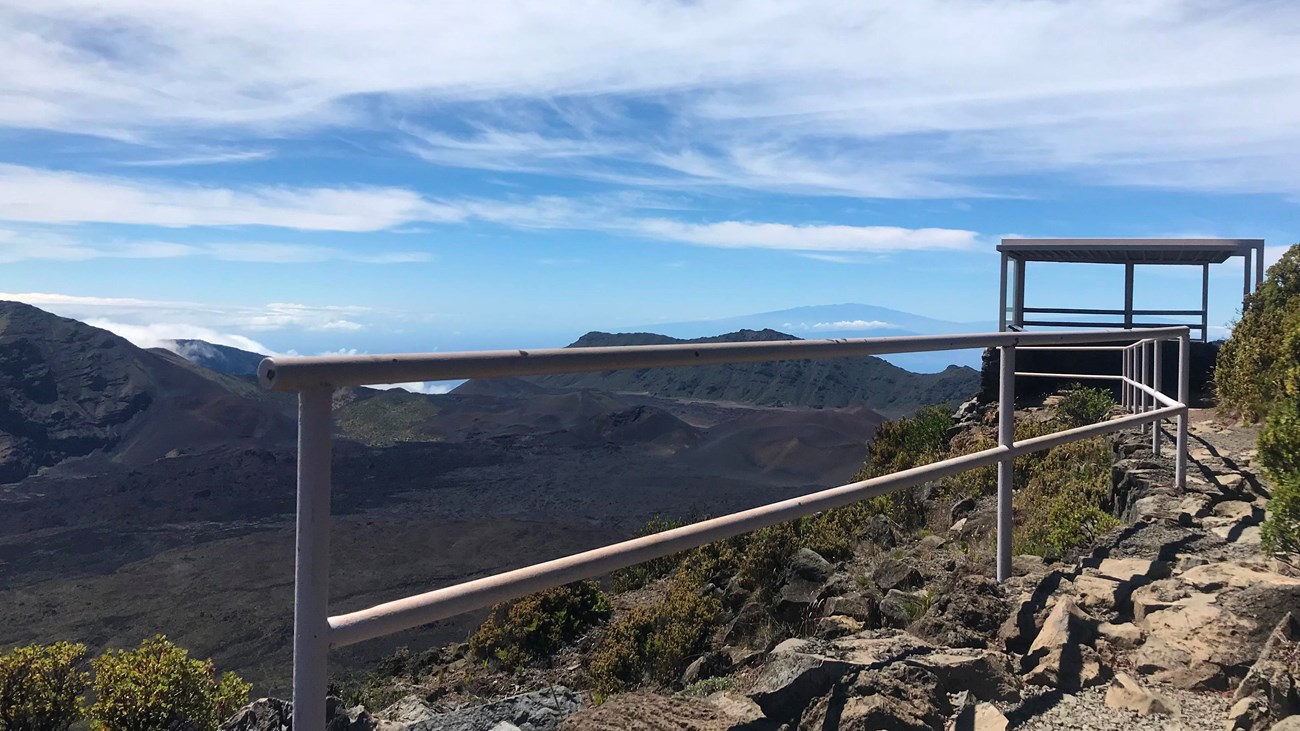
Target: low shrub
1062,505
1279,441
41,687
655,643
635,577
1280,534
158,686
535,627
1082,405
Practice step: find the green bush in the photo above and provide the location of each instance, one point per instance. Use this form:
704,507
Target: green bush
902,444
158,686
1258,366
1082,405
41,687
1281,532
1061,505
535,627
655,643
1279,441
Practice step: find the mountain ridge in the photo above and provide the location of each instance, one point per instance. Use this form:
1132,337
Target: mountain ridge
834,383
73,390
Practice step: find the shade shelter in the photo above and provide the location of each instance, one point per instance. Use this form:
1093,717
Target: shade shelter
1015,314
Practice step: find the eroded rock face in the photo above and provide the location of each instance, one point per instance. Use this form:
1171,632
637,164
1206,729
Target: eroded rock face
655,712
967,613
1206,627
1271,690
799,670
273,714
540,710
897,698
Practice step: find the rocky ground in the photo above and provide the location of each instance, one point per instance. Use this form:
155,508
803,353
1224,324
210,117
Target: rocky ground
1175,620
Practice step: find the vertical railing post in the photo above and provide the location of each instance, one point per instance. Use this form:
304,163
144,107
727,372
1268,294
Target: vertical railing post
1006,467
1142,379
1128,373
1184,387
1123,372
1157,346
311,565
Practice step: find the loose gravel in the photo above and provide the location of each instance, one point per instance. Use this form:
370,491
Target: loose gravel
1051,711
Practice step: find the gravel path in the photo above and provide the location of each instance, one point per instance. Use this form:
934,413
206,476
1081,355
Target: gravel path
1088,710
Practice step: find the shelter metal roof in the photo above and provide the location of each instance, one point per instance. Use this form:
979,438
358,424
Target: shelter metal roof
1129,251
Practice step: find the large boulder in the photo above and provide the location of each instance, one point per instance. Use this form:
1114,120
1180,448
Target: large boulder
799,670
899,697
1126,693
802,586
897,573
966,613
1062,655
985,674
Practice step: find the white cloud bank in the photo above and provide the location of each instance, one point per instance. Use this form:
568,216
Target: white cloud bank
150,323
38,195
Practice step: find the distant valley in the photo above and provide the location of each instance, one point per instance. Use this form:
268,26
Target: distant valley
141,492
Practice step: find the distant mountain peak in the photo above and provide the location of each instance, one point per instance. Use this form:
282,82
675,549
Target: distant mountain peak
596,338
220,358
832,383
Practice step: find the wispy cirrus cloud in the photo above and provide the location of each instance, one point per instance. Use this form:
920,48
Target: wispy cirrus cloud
874,98
198,157
809,237
37,245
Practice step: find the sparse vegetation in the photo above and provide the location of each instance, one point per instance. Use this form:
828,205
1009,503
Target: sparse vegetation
535,627
655,643
158,686
388,418
41,687
635,577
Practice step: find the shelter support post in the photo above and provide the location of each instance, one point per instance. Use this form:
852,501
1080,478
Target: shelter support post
1128,296
1205,303
1002,295
1248,271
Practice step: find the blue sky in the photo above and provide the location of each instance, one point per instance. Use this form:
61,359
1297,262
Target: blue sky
389,175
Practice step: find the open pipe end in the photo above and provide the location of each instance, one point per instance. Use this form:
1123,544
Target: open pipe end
266,373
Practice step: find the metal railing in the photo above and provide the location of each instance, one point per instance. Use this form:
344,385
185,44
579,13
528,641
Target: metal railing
1122,319
316,378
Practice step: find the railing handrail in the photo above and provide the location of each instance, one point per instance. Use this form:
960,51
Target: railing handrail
296,373
316,377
